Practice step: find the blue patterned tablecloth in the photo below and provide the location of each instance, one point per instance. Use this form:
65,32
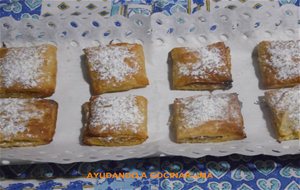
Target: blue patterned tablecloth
231,172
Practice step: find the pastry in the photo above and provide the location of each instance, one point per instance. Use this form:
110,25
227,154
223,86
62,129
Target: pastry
207,118
279,63
284,105
27,122
206,68
28,71
116,67
115,121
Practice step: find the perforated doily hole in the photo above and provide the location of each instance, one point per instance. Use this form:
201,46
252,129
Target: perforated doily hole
289,13
276,151
159,42
181,40
202,39
51,25
29,25
96,43
268,34
159,21
224,37
202,19
74,43
6,26
224,18
138,22
245,36
290,32
246,16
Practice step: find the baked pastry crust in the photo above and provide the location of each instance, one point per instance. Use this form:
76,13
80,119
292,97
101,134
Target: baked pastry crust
115,121
285,112
279,63
28,71
116,67
207,68
207,118
27,122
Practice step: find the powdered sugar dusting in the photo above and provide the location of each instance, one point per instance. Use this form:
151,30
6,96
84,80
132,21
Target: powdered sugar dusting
115,112
22,66
209,61
288,100
109,62
199,109
285,58
15,115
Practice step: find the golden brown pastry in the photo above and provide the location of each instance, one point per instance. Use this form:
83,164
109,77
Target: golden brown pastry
115,121
279,63
206,68
116,67
207,118
27,122
285,110
28,71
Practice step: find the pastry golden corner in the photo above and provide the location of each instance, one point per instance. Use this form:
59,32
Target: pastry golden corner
208,118
115,121
284,108
27,122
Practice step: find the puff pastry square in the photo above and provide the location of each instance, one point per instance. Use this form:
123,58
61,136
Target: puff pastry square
115,121
206,68
27,122
279,63
285,111
207,118
28,71
116,67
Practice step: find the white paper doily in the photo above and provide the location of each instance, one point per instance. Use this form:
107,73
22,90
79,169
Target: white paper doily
240,29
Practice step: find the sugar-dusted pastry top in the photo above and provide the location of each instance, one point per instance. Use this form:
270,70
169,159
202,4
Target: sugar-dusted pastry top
197,110
209,60
285,58
287,101
112,62
22,65
113,113
15,115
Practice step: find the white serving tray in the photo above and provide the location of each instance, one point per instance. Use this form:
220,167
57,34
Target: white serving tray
241,30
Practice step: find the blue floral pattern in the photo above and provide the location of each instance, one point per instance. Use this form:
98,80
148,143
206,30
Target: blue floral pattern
229,173
19,9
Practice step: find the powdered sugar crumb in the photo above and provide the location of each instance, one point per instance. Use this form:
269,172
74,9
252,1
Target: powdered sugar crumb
285,58
109,62
209,62
116,112
15,115
197,110
288,100
22,66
